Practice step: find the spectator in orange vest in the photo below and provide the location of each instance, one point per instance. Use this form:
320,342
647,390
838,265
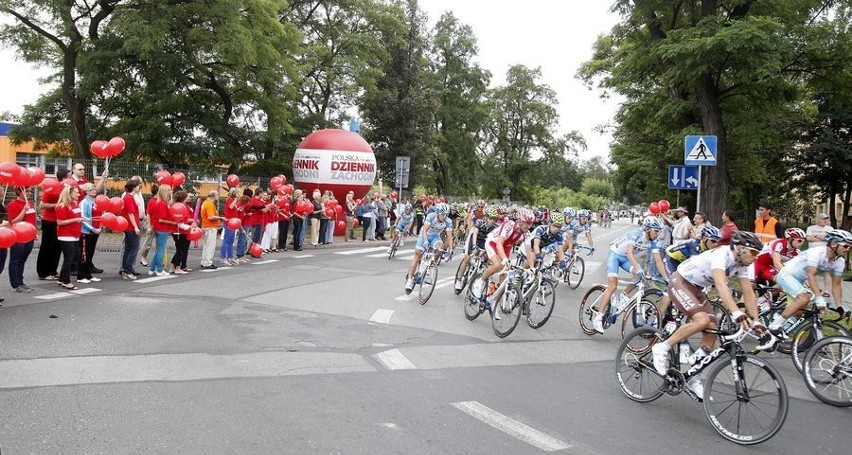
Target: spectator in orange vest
766,226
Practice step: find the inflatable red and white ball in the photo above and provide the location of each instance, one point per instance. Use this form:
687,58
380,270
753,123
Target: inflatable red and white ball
336,160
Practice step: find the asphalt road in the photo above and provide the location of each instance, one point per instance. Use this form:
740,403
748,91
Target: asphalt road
321,352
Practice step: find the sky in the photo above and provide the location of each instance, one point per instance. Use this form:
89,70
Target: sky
556,35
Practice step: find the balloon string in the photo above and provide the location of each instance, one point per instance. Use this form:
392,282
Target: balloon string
107,163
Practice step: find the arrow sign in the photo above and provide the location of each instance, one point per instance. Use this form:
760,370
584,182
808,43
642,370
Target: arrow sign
675,179
692,181
683,177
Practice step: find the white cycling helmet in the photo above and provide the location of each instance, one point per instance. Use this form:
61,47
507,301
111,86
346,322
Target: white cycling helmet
569,212
652,223
441,208
526,215
584,214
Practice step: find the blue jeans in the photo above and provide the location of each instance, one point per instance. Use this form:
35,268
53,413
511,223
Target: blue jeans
156,264
131,249
242,243
18,254
227,250
256,232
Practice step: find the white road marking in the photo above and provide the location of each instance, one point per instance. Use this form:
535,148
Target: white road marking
406,298
302,256
394,360
404,258
268,261
85,291
398,252
57,295
438,285
215,270
511,426
381,316
154,278
362,250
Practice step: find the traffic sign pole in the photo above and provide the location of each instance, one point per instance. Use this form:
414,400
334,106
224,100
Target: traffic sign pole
698,201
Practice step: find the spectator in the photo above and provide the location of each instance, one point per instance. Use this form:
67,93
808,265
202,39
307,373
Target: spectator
49,250
20,210
161,223
323,220
366,220
69,222
90,231
243,208
729,226
284,216
210,221
254,214
381,217
766,226
332,222
699,221
349,207
815,236
316,216
179,231
298,222
680,224
226,252
269,223
150,235
130,246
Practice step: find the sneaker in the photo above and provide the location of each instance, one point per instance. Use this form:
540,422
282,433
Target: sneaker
125,276
597,321
768,341
409,286
84,281
696,385
162,273
22,289
478,286
26,287
209,267
131,276
661,357
152,273
94,279
458,285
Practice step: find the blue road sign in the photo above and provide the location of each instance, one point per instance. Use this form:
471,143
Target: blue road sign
683,177
699,151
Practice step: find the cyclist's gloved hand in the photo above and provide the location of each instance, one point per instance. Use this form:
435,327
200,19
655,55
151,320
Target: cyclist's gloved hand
821,302
739,316
640,273
758,327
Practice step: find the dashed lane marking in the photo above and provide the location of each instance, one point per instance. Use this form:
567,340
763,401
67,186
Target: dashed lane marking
57,295
381,317
394,360
302,256
361,250
268,261
154,278
511,426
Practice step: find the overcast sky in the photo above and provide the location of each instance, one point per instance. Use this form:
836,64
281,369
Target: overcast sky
556,35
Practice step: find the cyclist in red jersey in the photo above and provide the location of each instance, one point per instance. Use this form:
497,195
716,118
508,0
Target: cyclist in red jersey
499,243
773,256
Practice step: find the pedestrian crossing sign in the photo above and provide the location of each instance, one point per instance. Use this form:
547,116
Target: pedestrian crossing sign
699,151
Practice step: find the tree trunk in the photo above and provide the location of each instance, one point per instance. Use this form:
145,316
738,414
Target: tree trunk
832,211
715,197
76,105
845,220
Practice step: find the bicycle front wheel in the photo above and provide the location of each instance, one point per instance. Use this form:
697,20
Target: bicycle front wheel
461,275
634,366
508,310
472,305
642,314
805,337
828,370
748,406
427,283
575,272
541,307
590,301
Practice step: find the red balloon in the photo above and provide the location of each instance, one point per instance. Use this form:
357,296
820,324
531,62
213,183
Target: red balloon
393,195
163,177
116,204
235,224
8,237
121,224
178,179
341,225
36,175
23,177
115,146
24,232
664,205
178,211
102,202
654,208
256,251
8,172
288,189
70,182
282,190
195,233
233,180
108,219
99,149
275,183
339,210
283,179
51,186
329,213
356,223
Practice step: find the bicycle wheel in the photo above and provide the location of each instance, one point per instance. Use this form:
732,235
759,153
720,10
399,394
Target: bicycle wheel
747,406
461,275
575,272
804,338
643,314
509,308
828,370
472,306
653,295
541,307
427,283
589,301
634,366
394,246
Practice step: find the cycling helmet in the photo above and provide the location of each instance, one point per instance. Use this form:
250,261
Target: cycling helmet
652,223
794,233
584,213
711,232
408,208
538,214
838,236
441,208
746,239
526,215
569,212
557,218
491,212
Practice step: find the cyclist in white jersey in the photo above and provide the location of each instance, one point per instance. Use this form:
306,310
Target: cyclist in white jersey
686,290
436,223
572,230
804,268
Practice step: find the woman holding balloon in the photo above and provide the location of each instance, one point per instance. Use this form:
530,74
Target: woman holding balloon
20,211
181,214
162,224
69,223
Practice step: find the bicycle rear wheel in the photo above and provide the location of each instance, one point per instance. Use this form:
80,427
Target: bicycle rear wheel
509,308
828,370
746,407
634,366
575,272
541,307
805,337
643,314
591,299
427,283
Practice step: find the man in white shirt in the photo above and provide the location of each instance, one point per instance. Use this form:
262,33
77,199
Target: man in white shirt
681,226
816,238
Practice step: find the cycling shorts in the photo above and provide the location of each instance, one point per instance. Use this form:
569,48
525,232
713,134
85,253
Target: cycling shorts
689,298
616,261
790,284
764,272
432,239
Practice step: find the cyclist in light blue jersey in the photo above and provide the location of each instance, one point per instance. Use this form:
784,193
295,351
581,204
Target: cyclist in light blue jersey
572,229
404,223
436,223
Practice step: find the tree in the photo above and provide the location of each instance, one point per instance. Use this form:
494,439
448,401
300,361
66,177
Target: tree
597,187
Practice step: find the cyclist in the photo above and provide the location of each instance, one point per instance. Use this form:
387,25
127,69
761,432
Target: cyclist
404,224
435,224
547,239
498,245
622,255
776,253
710,268
676,254
480,228
576,227
804,268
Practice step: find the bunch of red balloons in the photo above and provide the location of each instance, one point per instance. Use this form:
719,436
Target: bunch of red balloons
111,217
657,208
15,175
20,232
173,180
108,149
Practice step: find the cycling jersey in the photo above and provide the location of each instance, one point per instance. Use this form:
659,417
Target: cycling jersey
635,239
814,257
547,240
676,254
437,227
698,269
404,221
764,266
575,228
508,231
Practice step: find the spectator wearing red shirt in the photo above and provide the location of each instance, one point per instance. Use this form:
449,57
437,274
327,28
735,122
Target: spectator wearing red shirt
728,227
255,219
20,211
131,234
163,225
145,244
226,252
69,222
284,215
49,250
179,232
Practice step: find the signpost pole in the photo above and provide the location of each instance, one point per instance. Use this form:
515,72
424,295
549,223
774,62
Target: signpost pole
678,199
698,202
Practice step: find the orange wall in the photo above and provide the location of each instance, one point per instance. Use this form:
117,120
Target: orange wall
8,151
